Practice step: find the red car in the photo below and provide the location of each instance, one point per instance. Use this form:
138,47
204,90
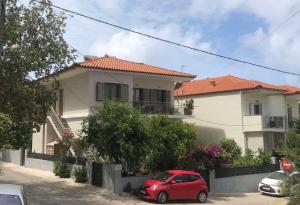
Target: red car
174,185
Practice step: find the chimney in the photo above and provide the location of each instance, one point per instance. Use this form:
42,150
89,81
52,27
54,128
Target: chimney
90,57
212,83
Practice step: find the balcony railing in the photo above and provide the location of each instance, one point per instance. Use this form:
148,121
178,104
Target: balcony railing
273,122
263,123
154,107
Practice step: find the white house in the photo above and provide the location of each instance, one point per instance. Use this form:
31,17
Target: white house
255,114
82,86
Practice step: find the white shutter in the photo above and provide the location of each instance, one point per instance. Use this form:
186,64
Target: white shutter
251,109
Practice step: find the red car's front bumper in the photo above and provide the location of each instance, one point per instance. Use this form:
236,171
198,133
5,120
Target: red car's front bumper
147,193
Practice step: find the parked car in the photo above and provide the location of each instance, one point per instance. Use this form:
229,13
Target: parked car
175,185
273,183
11,194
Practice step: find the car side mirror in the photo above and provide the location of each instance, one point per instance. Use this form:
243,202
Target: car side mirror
173,182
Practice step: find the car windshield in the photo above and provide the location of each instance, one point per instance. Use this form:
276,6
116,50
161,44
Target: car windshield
163,176
277,175
10,199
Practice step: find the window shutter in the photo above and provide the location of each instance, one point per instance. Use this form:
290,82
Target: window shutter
168,96
251,109
145,95
124,93
260,109
99,91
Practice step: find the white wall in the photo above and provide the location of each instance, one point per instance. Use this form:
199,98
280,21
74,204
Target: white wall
218,115
255,140
76,95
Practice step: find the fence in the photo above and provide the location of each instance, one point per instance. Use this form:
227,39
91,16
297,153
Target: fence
239,180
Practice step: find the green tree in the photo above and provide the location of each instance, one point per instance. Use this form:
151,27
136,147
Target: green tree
32,47
5,127
172,143
293,153
118,133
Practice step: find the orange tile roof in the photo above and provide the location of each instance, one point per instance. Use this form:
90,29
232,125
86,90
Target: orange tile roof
115,64
221,84
290,90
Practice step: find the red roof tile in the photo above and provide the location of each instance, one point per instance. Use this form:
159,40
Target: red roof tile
221,84
115,64
290,89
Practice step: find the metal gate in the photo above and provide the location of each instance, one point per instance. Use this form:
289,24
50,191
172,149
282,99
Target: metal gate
97,171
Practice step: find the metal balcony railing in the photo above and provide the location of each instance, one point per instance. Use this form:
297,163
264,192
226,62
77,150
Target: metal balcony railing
273,121
154,107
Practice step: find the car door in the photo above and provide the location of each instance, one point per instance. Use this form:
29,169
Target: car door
179,189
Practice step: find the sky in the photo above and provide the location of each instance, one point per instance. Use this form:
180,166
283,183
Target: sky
251,30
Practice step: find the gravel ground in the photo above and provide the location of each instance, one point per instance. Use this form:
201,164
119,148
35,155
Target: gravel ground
43,188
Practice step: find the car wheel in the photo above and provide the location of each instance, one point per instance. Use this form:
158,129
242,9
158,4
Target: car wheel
162,197
202,197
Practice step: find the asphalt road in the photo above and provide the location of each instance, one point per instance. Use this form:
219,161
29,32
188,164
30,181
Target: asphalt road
43,188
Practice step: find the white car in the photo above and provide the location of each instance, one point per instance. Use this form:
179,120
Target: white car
11,194
272,184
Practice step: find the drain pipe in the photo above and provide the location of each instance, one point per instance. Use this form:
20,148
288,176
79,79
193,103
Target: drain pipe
242,116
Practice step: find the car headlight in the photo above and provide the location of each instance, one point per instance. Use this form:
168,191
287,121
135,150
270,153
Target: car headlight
154,187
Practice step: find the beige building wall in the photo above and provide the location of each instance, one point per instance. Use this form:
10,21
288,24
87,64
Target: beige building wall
255,140
75,95
217,116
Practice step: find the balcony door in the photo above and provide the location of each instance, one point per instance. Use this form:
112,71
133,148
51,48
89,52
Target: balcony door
255,109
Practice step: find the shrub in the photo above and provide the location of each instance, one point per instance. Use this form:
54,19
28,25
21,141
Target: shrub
79,173
118,133
171,143
61,169
231,147
252,159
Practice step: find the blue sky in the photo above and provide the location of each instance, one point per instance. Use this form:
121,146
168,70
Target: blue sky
237,28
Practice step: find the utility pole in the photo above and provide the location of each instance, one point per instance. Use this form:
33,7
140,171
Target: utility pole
2,22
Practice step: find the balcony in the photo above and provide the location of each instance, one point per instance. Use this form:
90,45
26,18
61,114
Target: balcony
264,123
154,107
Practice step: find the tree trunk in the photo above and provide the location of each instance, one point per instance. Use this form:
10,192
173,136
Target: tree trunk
2,22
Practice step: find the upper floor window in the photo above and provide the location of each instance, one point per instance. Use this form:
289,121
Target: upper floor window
111,91
255,109
151,95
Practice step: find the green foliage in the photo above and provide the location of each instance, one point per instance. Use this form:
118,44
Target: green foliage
5,127
231,149
171,142
60,167
79,173
32,47
253,159
118,133
292,152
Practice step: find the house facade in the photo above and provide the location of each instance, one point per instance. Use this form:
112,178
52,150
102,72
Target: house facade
83,86
254,114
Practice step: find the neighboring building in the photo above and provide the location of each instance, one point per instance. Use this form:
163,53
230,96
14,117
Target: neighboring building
255,114
83,86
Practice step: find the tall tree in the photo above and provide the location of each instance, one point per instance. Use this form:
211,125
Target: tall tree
32,47
2,20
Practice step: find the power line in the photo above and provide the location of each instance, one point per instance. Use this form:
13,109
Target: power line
169,41
282,23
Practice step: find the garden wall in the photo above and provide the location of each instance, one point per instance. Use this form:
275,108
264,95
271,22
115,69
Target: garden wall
239,180
13,156
34,162
114,182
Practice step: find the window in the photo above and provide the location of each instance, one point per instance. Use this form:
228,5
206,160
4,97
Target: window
194,178
163,176
255,109
10,199
111,91
182,178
